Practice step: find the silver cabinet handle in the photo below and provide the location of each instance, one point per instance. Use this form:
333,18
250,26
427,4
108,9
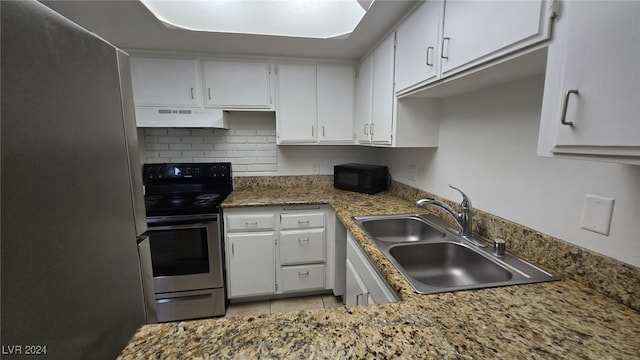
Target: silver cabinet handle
303,274
429,52
251,224
322,130
313,130
192,96
358,299
209,90
300,222
232,249
366,129
303,240
442,54
563,119
371,128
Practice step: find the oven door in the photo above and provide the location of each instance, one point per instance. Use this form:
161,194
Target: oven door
186,257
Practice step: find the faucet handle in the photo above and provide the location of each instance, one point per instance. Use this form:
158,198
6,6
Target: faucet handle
466,202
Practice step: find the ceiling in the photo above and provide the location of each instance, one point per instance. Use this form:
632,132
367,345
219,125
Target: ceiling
130,26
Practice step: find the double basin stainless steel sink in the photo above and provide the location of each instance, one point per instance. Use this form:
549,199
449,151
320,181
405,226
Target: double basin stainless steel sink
434,259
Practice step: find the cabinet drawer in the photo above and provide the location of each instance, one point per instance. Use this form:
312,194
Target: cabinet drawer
304,277
257,222
301,246
302,220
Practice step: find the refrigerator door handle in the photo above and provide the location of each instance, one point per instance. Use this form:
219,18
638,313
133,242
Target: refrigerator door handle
146,271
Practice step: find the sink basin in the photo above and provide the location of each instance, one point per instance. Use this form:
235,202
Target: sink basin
434,260
447,264
403,229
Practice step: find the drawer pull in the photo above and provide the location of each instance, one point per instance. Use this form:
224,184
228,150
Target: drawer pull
303,274
303,241
251,224
300,222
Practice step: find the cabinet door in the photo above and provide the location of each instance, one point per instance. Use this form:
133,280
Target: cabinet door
336,97
356,292
165,82
237,84
597,54
476,31
418,46
251,264
296,112
364,88
383,93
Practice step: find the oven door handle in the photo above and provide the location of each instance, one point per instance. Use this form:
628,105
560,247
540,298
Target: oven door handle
182,226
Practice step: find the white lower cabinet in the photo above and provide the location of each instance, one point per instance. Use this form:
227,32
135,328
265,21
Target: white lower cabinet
277,250
364,285
356,291
251,260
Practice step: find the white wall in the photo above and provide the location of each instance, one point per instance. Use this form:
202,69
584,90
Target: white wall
487,148
249,144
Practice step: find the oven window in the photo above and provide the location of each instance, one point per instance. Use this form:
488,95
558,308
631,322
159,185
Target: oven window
179,252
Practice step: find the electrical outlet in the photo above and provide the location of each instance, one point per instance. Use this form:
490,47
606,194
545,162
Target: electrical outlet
411,172
596,214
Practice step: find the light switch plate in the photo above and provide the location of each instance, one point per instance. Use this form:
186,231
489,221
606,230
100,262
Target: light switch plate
596,214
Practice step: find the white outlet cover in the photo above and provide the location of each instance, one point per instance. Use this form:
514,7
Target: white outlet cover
411,173
596,214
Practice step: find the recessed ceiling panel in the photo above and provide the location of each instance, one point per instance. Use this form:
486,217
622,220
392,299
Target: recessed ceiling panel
290,18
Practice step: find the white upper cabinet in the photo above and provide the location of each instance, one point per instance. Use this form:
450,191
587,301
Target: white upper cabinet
336,108
382,94
296,112
165,82
237,84
418,46
591,102
364,86
315,103
382,118
446,48
476,31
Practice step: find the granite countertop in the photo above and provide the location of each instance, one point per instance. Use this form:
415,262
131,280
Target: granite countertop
561,319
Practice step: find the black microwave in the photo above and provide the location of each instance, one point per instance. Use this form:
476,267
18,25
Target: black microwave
368,179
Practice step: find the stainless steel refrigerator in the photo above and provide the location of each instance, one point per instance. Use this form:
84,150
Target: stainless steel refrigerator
72,206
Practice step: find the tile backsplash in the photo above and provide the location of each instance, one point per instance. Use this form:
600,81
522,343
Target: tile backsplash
251,151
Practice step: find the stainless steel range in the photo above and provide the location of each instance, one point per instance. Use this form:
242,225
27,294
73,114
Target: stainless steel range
182,202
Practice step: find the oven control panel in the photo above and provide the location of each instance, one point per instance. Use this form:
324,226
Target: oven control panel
159,172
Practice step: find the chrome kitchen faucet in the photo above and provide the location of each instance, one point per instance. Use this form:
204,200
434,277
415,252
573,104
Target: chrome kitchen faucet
463,219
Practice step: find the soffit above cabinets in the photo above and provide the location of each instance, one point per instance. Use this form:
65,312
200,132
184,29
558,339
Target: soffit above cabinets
130,25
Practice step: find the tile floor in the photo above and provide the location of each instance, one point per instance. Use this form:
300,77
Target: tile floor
283,305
